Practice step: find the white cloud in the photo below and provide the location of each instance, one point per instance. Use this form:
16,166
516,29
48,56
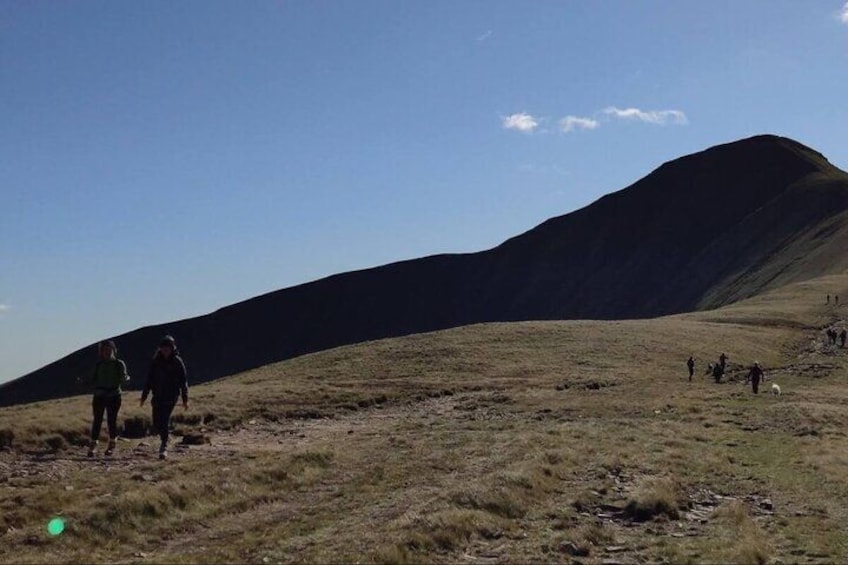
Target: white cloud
4,308
843,15
521,121
571,123
485,36
659,117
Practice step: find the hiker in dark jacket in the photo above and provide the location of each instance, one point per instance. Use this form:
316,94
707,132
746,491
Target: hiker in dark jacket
842,336
755,375
718,372
691,365
107,377
167,381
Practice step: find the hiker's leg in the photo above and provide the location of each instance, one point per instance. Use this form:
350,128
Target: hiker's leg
98,404
112,408
157,417
165,417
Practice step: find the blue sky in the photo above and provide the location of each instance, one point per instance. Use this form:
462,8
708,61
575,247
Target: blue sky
160,160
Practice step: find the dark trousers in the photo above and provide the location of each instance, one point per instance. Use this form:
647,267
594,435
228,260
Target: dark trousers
691,372
162,418
755,383
111,404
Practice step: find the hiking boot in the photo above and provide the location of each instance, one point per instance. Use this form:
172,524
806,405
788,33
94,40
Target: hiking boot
163,452
111,448
92,447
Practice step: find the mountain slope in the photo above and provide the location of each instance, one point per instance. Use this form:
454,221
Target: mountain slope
700,231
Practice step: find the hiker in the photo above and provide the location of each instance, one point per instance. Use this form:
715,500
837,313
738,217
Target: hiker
109,374
167,381
842,336
691,365
722,360
718,371
754,376
828,299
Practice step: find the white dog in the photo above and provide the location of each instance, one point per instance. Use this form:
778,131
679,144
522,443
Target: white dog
775,389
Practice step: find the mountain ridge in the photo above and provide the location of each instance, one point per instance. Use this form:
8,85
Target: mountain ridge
699,231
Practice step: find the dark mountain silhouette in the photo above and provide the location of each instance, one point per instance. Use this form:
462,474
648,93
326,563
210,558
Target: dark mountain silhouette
700,231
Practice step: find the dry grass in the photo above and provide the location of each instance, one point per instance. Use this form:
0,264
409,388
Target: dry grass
524,442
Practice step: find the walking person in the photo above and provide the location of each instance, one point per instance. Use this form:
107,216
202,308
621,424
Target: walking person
109,374
718,372
828,299
755,375
167,381
691,365
842,336
722,360
831,335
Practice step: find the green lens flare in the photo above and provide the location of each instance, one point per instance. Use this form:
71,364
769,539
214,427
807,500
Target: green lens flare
55,526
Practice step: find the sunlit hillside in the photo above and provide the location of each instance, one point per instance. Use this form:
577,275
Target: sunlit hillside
553,441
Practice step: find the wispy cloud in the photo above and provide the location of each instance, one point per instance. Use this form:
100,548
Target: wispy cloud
4,308
843,14
521,121
659,117
571,123
485,36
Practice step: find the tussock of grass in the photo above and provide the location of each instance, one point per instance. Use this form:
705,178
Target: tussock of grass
750,544
501,501
447,530
655,498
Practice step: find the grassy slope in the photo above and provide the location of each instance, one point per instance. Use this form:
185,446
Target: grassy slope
495,442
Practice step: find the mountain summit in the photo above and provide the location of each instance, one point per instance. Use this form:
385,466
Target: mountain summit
700,231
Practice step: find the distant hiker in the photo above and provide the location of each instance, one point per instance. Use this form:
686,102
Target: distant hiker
828,299
691,365
718,371
107,377
755,375
831,336
167,381
722,360
842,336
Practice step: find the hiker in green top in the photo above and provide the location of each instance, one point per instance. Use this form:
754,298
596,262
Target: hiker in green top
107,377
